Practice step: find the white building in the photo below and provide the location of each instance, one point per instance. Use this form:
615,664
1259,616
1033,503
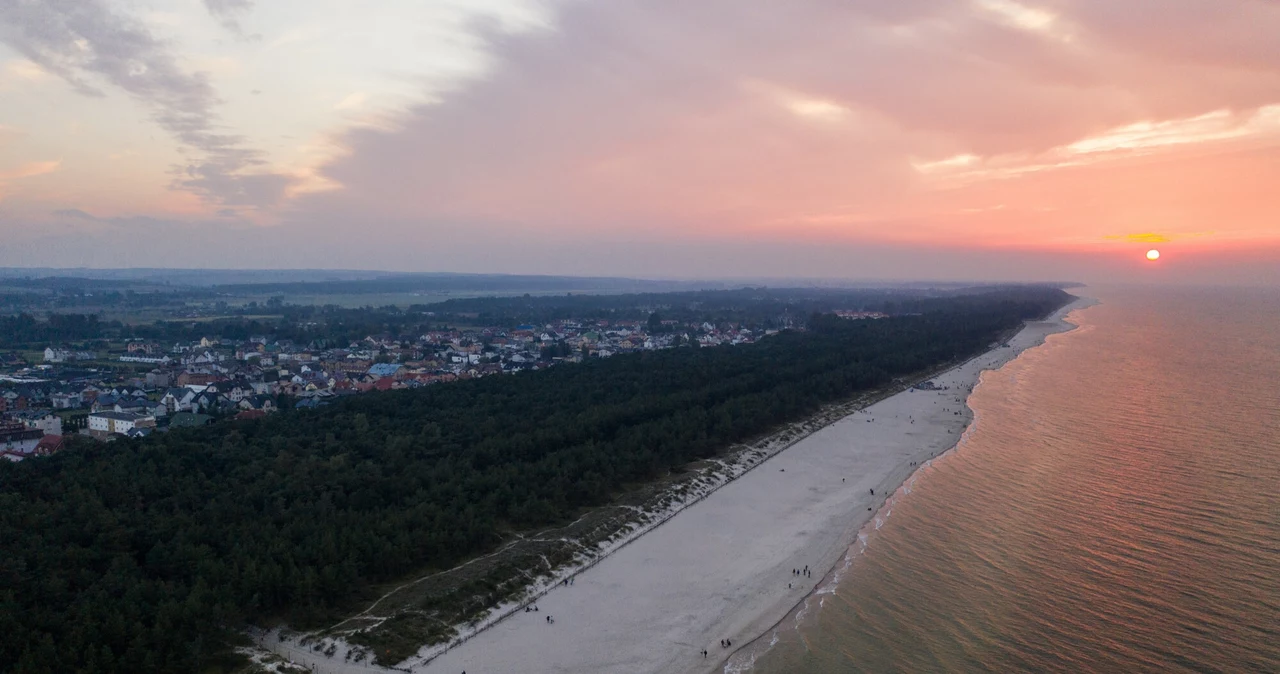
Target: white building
49,424
52,355
119,422
149,360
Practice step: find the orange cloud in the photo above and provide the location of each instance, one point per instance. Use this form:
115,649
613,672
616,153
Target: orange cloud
1146,237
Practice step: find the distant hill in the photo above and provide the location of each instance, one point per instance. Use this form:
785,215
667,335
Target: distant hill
366,281
323,281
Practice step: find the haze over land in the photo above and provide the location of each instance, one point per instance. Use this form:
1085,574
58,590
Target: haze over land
992,139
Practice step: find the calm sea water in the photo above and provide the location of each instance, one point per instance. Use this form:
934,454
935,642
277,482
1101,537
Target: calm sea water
1115,508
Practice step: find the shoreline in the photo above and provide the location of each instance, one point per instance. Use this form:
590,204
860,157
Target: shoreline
718,564
742,459
723,566
744,659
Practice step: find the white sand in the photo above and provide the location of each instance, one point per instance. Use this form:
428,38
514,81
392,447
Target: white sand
720,569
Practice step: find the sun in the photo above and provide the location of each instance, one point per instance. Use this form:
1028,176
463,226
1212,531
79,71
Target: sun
1153,255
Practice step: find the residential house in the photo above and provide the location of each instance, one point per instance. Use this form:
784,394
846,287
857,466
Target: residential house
203,358
263,403
196,378
52,355
111,402
210,402
66,400
381,370
42,420
179,399
158,379
17,441
50,444
146,348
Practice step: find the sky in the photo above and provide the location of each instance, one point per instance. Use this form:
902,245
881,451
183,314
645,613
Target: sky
860,139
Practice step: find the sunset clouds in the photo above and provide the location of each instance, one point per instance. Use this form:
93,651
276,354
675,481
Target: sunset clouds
587,136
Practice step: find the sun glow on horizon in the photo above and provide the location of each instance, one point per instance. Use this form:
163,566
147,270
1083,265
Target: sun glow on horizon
1153,255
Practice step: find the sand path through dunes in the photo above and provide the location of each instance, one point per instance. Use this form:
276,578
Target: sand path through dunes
721,568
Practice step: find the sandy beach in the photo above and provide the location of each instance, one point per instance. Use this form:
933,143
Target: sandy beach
722,569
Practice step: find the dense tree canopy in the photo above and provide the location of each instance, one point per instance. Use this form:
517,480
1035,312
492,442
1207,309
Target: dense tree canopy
142,555
26,328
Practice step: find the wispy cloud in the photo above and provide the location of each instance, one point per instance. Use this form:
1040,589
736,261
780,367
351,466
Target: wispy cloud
1020,15
26,70
1153,237
1145,237
960,161
228,12
85,41
1131,140
27,170
30,170
1212,126
353,101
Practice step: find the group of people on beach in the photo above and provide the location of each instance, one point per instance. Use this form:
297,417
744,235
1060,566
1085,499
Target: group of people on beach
534,609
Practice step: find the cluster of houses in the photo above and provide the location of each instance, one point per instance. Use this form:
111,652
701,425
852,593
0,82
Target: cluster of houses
192,384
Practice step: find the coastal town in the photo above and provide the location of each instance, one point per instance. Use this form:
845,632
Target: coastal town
138,387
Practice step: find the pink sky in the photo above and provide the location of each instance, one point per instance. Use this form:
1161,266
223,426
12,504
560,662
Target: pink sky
995,139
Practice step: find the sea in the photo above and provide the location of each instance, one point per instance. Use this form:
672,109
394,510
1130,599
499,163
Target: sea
1114,507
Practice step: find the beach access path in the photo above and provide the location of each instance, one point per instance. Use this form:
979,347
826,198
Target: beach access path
722,568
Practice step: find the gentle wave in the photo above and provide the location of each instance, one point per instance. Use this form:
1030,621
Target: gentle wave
1114,507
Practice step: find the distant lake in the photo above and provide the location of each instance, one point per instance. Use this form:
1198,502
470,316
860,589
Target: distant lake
1114,508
